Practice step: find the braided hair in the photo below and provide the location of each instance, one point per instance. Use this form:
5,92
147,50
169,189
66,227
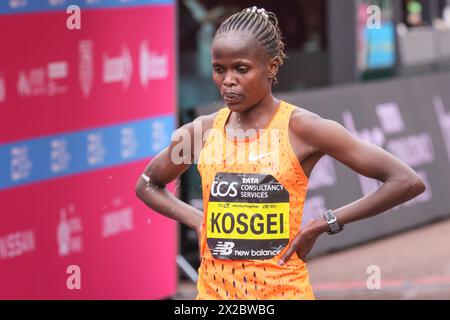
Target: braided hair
263,25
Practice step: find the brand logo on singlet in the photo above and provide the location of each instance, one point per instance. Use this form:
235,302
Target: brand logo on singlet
254,157
247,216
223,189
224,248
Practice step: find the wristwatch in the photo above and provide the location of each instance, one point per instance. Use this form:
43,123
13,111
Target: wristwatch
332,222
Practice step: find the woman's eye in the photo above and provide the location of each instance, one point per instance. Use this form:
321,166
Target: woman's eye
242,69
218,69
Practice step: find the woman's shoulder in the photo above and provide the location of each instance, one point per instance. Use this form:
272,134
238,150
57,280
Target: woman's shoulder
207,120
201,123
301,116
315,130
304,123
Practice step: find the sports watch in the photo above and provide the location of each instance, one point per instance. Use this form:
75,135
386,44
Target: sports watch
332,222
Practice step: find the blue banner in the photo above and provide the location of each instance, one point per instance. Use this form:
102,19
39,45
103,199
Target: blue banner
39,159
27,6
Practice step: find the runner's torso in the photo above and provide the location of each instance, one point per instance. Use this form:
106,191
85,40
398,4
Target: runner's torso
253,196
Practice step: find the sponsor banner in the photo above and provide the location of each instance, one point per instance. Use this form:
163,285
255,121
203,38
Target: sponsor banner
102,74
406,117
49,157
91,221
82,112
25,6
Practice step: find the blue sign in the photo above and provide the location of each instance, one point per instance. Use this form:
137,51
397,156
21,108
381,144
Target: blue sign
380,46
24,6
49,157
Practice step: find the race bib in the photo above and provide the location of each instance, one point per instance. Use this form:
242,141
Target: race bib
247,216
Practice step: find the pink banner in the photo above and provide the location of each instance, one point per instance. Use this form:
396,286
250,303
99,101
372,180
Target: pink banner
79,232
119,66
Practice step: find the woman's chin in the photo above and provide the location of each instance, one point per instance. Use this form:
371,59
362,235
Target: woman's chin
236,107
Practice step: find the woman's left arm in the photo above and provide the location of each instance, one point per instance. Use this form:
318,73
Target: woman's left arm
400,182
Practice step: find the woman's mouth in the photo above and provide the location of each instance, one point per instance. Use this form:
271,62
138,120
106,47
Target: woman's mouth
231,98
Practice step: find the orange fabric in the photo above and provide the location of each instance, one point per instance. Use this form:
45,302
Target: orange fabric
221,278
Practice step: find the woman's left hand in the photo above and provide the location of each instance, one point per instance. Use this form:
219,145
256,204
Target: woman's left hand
304,240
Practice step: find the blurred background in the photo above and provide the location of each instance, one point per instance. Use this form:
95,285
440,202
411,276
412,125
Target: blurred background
90,93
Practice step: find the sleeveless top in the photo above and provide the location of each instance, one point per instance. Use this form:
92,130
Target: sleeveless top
253,196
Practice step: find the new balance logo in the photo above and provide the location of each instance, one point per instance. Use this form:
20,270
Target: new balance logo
223,248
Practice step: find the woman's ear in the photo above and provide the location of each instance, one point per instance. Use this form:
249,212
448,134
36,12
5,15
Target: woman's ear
274,65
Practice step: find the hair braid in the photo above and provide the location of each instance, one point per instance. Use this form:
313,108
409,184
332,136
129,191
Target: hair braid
263,25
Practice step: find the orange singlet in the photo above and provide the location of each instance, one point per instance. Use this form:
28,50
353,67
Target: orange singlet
253,196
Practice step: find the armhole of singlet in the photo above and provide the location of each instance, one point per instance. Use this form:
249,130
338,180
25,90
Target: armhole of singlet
293,157
216,123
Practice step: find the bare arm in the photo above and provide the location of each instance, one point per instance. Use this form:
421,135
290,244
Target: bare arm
400,182
168,165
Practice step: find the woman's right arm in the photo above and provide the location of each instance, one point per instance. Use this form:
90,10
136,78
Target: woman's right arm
165,167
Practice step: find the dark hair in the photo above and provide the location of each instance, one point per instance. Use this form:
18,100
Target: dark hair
264,26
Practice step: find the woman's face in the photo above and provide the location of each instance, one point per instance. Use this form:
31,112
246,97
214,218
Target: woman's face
241,69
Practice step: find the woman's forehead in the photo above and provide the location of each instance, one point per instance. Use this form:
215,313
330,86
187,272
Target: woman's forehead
236,45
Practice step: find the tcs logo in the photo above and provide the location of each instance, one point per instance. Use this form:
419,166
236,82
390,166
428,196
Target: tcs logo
223,189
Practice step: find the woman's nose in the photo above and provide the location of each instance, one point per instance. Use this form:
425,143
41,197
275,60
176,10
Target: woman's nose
229,80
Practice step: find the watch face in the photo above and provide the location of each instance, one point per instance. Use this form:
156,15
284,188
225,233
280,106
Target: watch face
331,219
